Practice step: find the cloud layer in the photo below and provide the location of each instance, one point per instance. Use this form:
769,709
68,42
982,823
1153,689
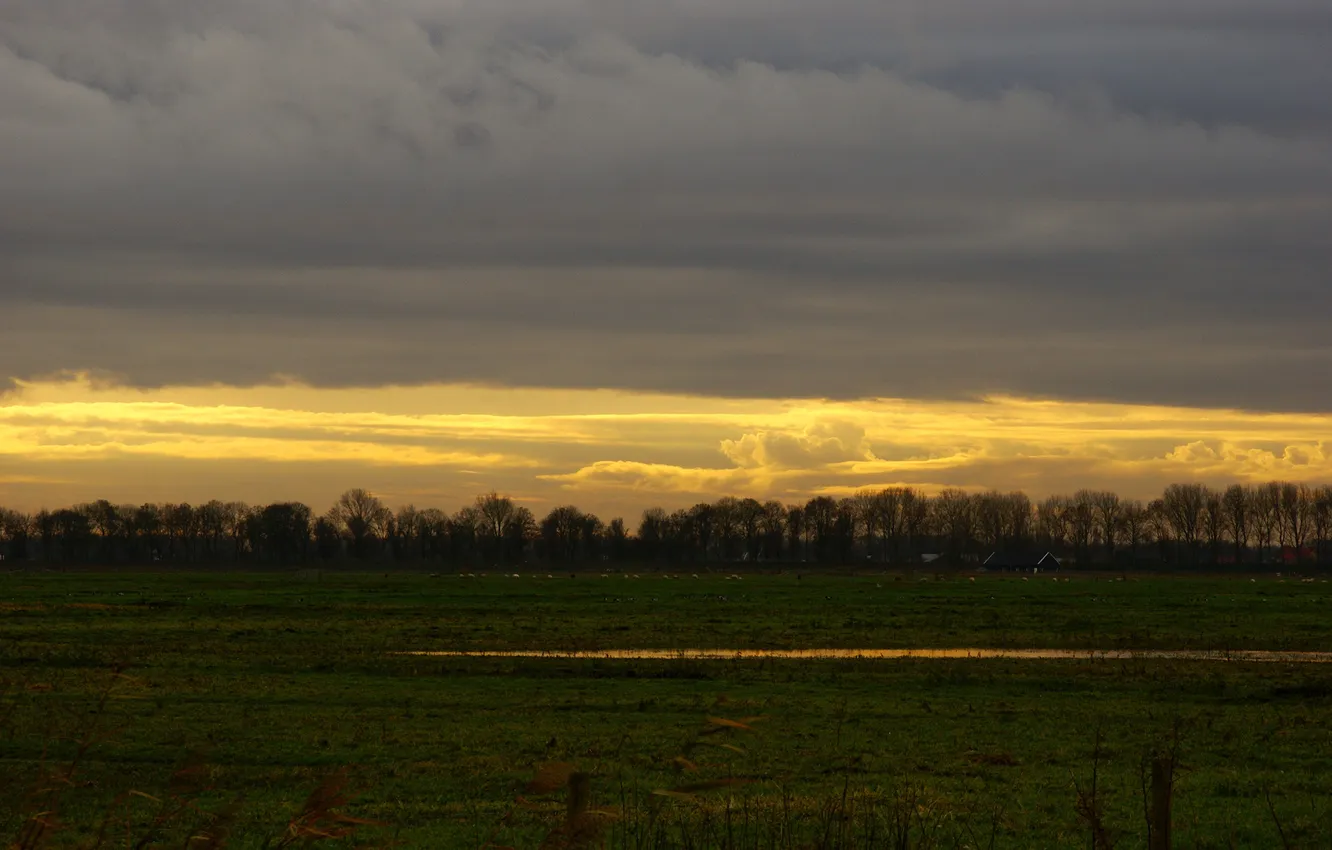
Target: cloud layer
1106,200
614,453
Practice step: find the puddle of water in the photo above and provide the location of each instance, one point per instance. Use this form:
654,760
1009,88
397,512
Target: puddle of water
817,654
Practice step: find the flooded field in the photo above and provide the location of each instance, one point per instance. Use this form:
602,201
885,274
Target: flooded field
926,654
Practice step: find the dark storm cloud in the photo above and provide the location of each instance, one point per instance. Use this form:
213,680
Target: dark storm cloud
1117,200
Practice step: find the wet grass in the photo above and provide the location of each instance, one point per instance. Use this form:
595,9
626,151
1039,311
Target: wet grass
277,680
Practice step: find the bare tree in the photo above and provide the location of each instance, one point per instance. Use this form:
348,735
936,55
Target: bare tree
495,513
795,532
917,509
726,526
1158,528
15,530
1017,519
774,527
867,517
652,533
504,527
1082,524
147,524
990,521
701,529
327,539
750,516
562,531
522,529
1052,518
1109,519
464,533
955,518
210,519
1214,523
178,521
1322,519
1297,514
1265,507
1183,507
617,538
106,524
434,533
1235,503
888,508
821,524
1134,519
233,518
362,516
407,533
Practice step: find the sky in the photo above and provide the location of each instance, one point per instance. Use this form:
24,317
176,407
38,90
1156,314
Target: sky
624,253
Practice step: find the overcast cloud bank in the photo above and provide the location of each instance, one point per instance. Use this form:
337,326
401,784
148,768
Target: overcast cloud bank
1124,200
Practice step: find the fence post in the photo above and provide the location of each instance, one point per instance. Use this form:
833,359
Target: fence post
1163,776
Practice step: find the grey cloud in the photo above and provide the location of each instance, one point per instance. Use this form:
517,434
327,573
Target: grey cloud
1078,203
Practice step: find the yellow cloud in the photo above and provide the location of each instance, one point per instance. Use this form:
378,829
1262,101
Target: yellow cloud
628,449
659,478
821,444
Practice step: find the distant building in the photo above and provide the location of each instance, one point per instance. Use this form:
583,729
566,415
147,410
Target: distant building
1022,562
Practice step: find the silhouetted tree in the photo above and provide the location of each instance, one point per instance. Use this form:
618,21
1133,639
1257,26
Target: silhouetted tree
362,517
821,516
1135,521
1235,504
1183,507
562,534
617,540
327,539
1297,515
795,532
15,529
773,529
1322,518
73,532
1265,504
503,528
1109,520
652,533
1214,523
955,519
280,532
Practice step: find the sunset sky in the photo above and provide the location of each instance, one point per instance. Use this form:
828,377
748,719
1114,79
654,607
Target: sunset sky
624,253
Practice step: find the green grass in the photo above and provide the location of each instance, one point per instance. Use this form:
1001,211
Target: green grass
279,679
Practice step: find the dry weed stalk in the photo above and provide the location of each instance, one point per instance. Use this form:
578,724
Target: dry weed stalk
319,819
1089,805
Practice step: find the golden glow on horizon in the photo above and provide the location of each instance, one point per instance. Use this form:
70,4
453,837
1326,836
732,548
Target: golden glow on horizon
625,448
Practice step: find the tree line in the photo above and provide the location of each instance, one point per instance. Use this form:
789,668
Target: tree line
1189,525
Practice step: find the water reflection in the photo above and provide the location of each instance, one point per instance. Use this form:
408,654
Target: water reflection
817,654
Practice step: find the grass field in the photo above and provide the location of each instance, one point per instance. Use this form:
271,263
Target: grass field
278,680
